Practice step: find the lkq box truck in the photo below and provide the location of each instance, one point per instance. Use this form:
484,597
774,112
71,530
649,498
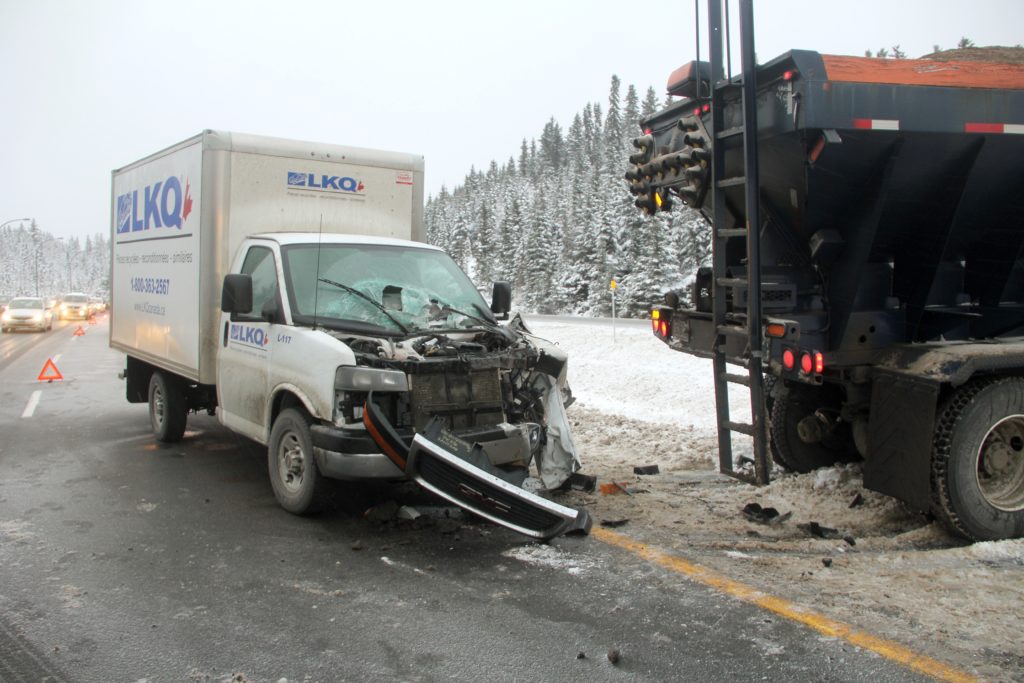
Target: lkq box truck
284,286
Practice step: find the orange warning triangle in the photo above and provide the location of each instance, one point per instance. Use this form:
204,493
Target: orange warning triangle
92,320
49,372
79,331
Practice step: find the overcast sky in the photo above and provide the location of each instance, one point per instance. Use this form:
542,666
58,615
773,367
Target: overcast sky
94,85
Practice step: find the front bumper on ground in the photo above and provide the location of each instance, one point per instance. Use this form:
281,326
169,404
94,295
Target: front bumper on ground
461,473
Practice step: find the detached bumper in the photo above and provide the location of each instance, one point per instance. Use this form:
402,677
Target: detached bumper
462,474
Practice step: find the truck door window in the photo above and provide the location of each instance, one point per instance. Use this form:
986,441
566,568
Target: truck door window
259,263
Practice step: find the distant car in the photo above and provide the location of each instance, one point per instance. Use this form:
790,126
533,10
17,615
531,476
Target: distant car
26,313
96,305
4,299
74,305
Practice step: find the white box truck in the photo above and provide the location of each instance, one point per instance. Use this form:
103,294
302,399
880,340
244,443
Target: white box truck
284,286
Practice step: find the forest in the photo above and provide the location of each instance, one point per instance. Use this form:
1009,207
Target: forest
34,262
559,223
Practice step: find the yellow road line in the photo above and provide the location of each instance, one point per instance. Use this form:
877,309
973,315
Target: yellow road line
886,648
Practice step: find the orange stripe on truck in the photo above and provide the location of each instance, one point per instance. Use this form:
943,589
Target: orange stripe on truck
924,72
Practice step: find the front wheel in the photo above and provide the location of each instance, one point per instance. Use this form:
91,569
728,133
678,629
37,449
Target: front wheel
296,480
168,410
978,460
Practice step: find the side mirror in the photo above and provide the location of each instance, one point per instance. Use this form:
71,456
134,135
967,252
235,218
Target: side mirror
501,300
236,295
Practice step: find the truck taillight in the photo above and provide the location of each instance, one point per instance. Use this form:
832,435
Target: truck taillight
660,324
810,361
806,363
819,362
788,359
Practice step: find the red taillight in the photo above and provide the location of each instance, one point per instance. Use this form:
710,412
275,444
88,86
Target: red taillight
696,111
819,362
654,325
647,131
707,108
788,359
788,75
664,328
806,363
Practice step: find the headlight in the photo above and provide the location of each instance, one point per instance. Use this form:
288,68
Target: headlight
350,378
37,317
6,317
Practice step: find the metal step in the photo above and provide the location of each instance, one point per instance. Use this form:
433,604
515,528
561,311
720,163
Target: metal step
731,281
731,182
734,330
736,379
741,427
732,232
730,132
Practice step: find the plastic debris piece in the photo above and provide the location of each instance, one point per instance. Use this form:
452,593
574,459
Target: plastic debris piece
614,488
815,529
646,469
827,561
857,501
408,512
614,523
382,512
580,482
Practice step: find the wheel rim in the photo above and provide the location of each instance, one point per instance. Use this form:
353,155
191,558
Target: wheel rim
1000,464
159,406
291,462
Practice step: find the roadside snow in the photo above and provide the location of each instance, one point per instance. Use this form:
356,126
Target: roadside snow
873,563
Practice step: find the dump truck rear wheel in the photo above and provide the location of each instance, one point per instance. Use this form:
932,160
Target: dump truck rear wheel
168,410
978,460
298,485
795,403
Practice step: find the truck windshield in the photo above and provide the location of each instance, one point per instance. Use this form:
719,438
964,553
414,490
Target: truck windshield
405,289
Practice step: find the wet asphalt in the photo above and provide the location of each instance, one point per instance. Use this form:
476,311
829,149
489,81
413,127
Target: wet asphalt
124,560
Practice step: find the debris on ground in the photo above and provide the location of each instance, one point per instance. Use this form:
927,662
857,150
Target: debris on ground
857,501
580,482
827,561
646,469
613,523
382,512
613,655
614,488
581,655
357,545
408,512
815,529
755,513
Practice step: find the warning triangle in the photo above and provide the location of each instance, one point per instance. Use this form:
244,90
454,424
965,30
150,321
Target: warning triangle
79,331
49,372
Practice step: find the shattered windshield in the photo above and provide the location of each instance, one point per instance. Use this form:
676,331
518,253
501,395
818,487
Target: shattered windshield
374,288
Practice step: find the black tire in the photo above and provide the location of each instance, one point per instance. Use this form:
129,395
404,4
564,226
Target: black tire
168,410
298,485
792,403
978,460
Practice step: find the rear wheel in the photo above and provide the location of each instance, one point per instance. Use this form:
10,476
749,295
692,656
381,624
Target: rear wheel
298,485
805,430
168,410
978,460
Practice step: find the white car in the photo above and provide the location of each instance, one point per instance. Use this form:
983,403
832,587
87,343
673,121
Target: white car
26,313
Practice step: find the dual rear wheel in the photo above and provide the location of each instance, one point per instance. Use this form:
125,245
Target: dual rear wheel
977,462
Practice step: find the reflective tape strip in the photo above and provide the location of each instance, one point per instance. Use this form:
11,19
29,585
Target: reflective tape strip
1010,128
877,124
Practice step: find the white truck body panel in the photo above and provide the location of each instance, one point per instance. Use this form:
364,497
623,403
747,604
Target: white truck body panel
178,217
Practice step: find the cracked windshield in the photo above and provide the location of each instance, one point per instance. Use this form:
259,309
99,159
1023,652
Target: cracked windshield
394,288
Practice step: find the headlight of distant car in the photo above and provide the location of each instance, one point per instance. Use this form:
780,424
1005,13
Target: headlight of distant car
37,317
6,317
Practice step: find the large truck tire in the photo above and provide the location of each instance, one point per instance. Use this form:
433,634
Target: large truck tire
978,460
168,410
792,404
298,485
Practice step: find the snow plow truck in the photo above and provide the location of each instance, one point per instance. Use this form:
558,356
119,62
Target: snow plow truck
867,277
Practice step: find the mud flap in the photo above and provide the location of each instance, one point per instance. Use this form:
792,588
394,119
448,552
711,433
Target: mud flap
461,473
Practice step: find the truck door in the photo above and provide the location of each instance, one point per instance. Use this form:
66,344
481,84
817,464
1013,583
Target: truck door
243,359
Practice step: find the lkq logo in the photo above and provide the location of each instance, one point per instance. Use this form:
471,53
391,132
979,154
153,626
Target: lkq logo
321,182
246,335
164,204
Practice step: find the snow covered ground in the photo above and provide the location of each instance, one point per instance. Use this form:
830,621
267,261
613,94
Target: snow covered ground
886,569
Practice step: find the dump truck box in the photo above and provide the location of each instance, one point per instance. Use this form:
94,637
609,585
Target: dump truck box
888,251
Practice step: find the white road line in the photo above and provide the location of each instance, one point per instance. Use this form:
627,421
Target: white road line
32,403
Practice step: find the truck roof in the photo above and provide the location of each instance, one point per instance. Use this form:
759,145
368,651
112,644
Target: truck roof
287,238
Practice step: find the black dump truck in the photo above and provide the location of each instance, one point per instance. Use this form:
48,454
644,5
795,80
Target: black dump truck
867,266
